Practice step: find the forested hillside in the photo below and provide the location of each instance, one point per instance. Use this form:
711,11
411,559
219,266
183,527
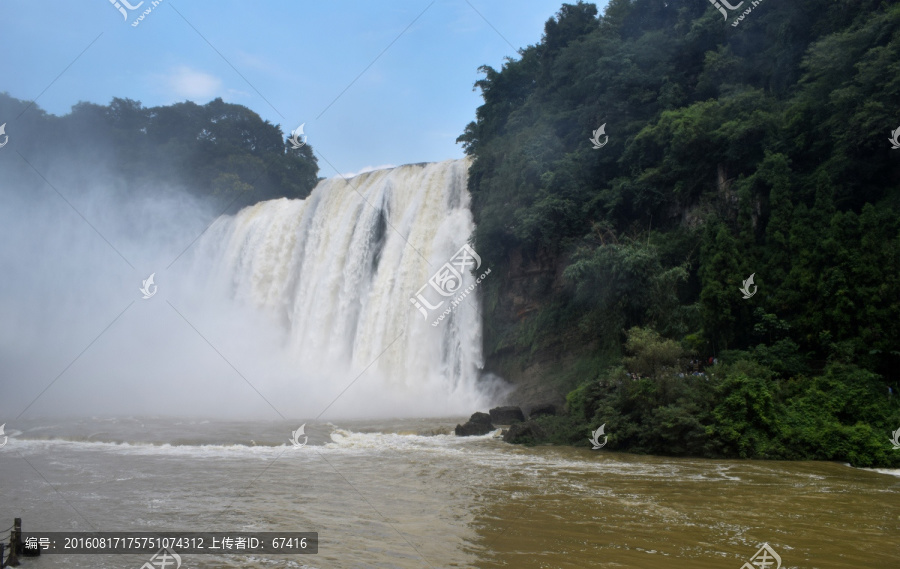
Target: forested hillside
217,149
760,149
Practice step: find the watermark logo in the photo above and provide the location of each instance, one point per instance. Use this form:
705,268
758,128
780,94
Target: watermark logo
295,437
746,287
5,438
765,558
895,441
295,140
595,140
146,13
448,281
595,438
163,559
146,287
720,6
121,9
895,138
6,136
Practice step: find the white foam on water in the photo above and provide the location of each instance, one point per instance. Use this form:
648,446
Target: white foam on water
888,471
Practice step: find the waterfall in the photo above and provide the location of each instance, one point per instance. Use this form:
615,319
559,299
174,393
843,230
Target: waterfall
335,273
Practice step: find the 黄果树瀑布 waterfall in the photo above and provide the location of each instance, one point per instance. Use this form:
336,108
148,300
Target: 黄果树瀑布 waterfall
337,271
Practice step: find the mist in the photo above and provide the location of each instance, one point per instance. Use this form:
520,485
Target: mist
77,338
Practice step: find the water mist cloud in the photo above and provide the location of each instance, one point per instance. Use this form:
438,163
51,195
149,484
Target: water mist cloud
286,310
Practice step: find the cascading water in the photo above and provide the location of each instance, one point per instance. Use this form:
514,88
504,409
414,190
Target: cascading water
337,270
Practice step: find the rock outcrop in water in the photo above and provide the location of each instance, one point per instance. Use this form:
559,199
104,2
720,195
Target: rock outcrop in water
506,415
528,432
478,424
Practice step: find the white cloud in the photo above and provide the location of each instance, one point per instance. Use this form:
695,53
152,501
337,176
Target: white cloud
187,83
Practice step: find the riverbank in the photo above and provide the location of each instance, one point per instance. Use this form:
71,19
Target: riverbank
736,410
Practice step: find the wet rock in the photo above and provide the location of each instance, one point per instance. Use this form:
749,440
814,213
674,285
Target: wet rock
542,409
478,424
527,432
506,415
481,419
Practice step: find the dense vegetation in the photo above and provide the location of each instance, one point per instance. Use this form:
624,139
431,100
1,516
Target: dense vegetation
757,149
214,149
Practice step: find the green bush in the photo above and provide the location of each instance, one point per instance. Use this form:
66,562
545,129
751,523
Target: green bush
739,410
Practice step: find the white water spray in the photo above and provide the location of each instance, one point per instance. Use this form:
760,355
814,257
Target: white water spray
335,271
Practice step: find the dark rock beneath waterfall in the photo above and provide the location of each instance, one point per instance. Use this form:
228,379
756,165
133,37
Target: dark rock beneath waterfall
542,409
479,418
472,430
478,424
506,415
524,433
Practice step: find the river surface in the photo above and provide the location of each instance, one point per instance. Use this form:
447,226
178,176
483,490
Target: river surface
402,494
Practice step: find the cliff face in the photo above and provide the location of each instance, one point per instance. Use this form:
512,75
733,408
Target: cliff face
514,314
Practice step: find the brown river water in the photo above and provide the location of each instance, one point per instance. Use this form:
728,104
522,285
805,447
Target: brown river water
397,494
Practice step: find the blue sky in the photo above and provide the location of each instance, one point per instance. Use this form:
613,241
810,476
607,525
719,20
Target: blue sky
291,61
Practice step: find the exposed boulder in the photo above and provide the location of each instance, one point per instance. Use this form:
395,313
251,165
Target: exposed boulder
542,409
507,415
481,419
528,432
478,424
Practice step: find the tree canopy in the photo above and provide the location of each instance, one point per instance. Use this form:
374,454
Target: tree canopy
216,148
758,149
